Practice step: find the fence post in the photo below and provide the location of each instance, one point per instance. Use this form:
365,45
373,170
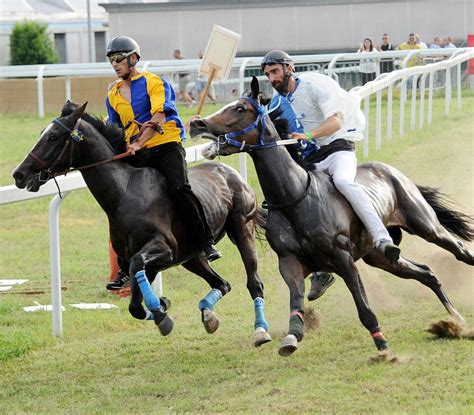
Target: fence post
378,121
422,99
413,101
39,80
68,88
403,92
430,97
458,70
366,131
447,91
389,111
55,264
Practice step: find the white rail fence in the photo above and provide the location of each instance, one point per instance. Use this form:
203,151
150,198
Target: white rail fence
326,63
74,181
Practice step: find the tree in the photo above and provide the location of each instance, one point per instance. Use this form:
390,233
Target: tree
30,44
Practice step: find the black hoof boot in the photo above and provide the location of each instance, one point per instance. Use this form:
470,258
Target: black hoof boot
320,282
164,322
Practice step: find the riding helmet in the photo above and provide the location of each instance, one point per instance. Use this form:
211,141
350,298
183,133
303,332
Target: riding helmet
123,44
276,56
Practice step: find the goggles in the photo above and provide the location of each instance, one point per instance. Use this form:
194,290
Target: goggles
119,57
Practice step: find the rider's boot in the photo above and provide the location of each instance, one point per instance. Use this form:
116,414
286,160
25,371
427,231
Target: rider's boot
320,282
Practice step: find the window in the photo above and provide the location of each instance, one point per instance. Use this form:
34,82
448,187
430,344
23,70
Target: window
99,39
60,46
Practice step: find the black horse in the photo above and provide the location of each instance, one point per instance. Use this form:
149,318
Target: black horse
145,229
312,227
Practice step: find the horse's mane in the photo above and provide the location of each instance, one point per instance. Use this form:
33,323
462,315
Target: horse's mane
113,134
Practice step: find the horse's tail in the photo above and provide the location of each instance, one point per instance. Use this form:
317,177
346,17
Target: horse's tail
261,225
455,222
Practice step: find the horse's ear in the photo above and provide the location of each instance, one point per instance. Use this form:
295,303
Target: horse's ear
255,87
77,113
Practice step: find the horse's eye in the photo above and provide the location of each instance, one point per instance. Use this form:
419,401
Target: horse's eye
52,138
240,109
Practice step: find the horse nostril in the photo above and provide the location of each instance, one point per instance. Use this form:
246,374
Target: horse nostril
17,176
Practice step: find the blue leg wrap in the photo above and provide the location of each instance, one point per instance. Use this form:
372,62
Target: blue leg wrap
210,300
260,320
151,300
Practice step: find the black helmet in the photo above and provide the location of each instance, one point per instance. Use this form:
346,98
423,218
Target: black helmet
276,56
123,44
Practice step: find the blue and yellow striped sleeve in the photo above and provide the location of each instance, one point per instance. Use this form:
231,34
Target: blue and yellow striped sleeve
114,117
156,92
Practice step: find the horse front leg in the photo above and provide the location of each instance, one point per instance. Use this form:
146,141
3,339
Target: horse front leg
157,255
293,272
349,272
219,288
242,231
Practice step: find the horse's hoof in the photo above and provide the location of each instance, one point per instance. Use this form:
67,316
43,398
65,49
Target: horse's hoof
261,337
210,320
166,325
165,303
288,345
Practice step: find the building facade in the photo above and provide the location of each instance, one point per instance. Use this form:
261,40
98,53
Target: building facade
67,22
298,26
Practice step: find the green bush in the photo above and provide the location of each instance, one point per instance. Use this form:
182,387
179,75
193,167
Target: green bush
30,44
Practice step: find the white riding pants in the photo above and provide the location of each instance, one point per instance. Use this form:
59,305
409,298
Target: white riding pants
342,167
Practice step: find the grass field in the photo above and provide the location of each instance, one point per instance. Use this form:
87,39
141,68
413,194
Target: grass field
107,362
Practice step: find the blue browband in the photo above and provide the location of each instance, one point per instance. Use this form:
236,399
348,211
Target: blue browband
75,133
241,145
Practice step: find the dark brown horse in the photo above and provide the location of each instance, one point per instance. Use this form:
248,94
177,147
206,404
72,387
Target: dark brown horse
145,227
312,227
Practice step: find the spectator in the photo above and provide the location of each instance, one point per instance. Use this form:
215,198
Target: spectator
367,67
183,81
386,65
201,83
447,44
419,42
436,43
410,44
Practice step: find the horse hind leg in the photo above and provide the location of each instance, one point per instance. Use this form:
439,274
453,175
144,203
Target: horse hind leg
348,271
244,238
422,221
407,269
219,288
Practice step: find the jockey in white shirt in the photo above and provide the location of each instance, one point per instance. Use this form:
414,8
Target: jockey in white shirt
329,119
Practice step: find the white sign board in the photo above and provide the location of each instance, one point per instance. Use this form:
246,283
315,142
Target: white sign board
220,52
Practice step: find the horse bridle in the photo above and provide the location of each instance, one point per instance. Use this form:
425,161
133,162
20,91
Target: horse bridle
75,135
47,172
244,147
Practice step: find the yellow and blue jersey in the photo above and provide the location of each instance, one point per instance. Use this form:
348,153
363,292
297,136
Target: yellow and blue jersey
149,94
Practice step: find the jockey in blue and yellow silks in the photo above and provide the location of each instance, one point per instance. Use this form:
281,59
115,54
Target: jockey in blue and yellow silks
143,104
149,94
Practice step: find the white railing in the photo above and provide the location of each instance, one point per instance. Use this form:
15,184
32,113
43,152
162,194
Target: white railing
74,181
388,80
323,63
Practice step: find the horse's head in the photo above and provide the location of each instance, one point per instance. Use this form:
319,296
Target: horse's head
239,126
50,154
